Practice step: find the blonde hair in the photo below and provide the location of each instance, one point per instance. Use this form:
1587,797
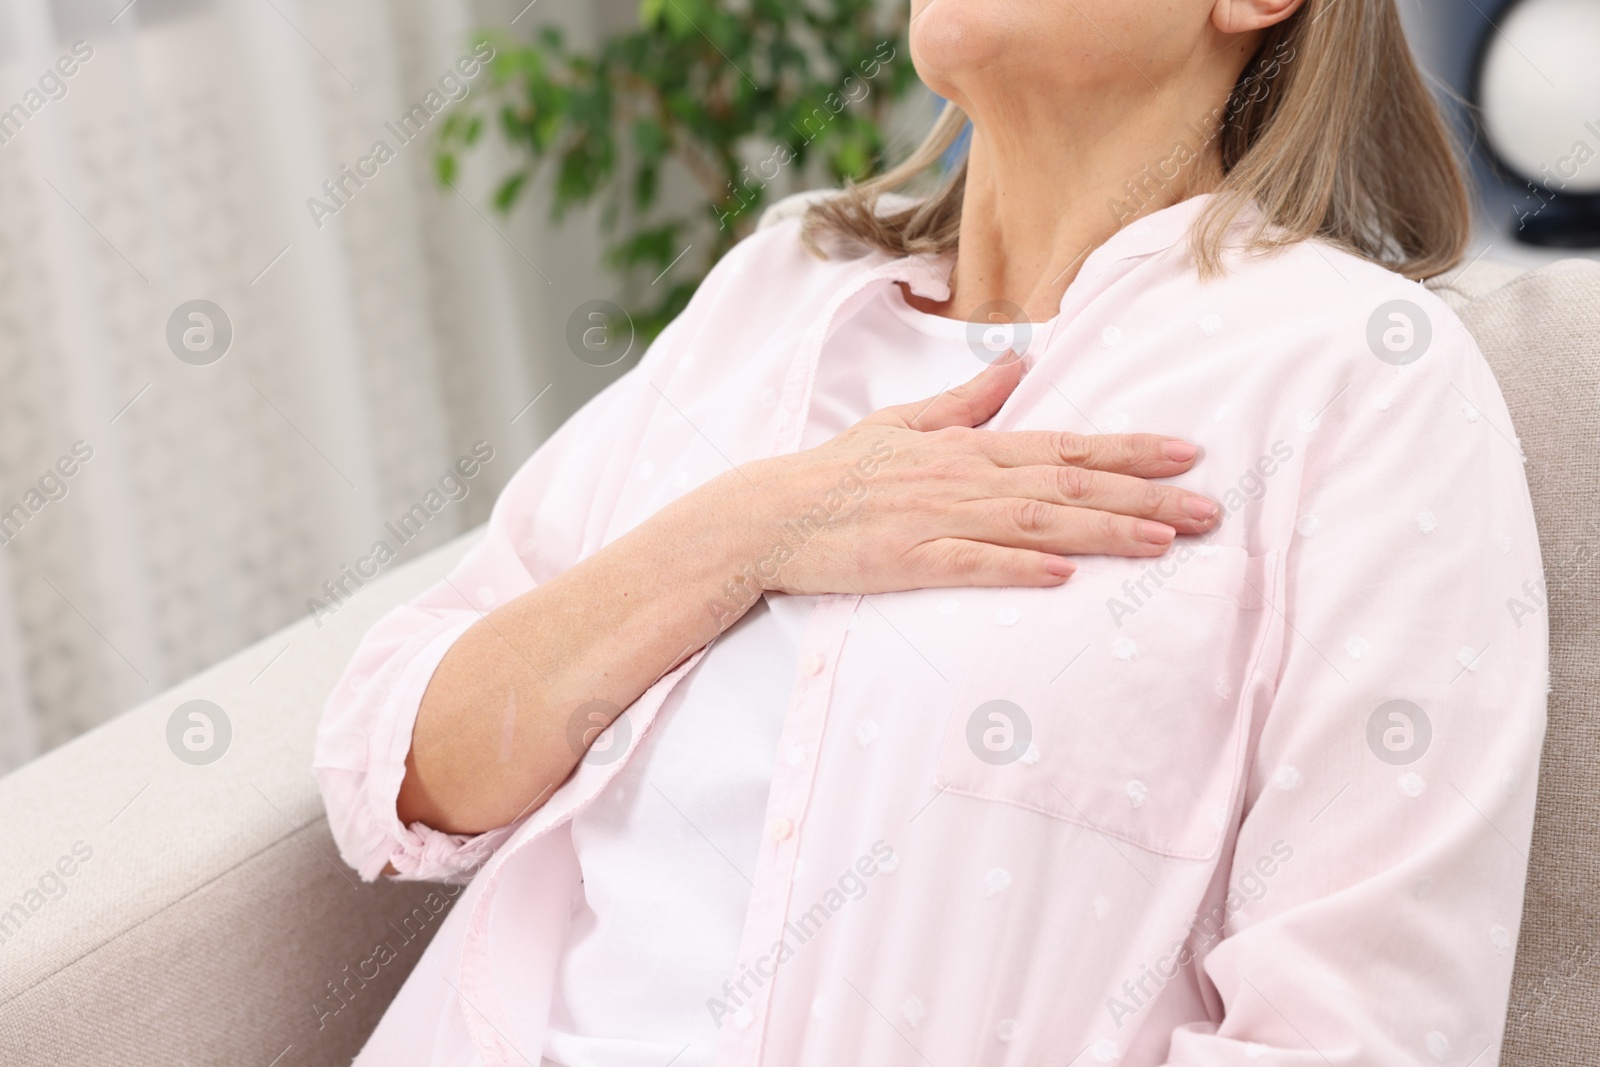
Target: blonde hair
1330,132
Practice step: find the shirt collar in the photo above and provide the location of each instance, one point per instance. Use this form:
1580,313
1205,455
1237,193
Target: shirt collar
929,276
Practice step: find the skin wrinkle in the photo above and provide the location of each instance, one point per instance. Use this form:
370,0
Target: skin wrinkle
1043,163
508,726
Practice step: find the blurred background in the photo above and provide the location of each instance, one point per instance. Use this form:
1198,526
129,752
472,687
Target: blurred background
241,346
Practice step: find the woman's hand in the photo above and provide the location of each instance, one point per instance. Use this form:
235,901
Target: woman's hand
913,497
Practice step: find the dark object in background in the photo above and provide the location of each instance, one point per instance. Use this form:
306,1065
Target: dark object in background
1534,85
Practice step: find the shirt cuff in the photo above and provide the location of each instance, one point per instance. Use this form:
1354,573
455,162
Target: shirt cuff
416,851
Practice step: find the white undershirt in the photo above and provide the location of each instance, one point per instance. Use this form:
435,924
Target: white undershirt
668,850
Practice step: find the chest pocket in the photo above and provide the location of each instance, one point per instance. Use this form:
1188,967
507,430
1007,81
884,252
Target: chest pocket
1116,702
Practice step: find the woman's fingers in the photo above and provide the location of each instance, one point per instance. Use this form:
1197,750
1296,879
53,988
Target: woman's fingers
976,401
970,507
1060,530
1142,455
952,562
1079,487
972,403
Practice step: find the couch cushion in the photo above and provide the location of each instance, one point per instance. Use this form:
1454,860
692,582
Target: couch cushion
1540,330
154,911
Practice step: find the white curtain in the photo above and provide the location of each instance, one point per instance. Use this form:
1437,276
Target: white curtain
368,354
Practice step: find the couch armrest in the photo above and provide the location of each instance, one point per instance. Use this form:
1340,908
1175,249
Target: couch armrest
154,911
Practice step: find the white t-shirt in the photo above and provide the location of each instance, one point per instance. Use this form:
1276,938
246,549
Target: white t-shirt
669,848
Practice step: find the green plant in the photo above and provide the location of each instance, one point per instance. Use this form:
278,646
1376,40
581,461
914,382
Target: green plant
742,95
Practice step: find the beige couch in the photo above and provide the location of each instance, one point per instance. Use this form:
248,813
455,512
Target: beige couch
207,919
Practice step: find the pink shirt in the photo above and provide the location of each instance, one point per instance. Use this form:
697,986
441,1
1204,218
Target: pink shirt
1266,800
665,847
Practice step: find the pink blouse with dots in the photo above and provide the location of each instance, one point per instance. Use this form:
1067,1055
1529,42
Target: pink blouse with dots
1266,800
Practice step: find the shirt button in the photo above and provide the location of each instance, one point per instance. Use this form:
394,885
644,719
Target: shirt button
811,663
782,829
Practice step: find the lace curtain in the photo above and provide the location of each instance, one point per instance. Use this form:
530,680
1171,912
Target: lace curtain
215,401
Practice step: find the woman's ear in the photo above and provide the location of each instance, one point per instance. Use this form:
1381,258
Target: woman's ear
1247,16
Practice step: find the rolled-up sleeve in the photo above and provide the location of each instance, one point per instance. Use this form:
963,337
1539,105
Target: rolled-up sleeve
537,530
1376,888
534,533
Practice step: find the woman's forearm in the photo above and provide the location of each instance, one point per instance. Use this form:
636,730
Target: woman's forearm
514,704
910,498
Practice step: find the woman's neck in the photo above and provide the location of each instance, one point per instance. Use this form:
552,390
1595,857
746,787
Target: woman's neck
1043,193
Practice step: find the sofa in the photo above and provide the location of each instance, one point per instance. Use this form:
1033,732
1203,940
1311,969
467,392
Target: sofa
160,907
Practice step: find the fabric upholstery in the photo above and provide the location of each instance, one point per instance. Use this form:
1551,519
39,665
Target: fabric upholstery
1540,330
212,911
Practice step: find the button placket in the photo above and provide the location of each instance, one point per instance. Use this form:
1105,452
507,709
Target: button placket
787,802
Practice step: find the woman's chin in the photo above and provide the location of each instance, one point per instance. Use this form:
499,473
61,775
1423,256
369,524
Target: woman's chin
950,43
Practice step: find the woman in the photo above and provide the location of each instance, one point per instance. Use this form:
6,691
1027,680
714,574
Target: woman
1017,744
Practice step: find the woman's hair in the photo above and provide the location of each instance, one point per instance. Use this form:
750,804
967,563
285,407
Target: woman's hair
1330,132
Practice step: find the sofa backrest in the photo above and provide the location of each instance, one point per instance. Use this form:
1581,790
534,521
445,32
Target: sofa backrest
1540,331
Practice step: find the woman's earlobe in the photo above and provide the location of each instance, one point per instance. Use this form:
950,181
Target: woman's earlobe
1246,16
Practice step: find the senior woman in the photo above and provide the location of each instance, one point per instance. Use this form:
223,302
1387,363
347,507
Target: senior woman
823,694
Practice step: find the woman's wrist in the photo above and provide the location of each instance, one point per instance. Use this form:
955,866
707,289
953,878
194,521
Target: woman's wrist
728,529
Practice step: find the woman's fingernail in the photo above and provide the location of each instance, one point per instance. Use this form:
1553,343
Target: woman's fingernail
1157,533
1178,451
1059,567
1199,507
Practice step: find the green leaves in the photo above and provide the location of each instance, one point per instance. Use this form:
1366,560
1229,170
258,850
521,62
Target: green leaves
650,138
509,189
743,95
